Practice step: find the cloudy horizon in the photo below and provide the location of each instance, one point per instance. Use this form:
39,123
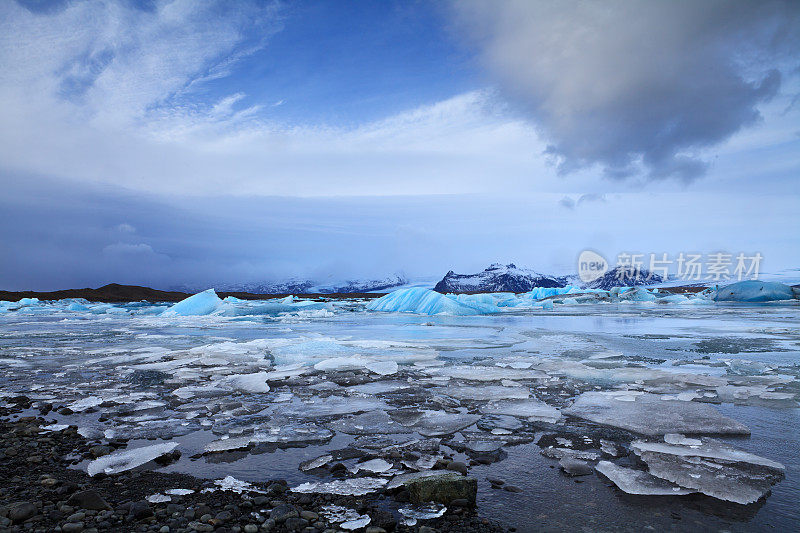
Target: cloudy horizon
170,142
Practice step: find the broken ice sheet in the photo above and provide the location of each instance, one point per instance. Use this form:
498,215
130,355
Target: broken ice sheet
649,414
639,482
489,392
373,423
125,460
345,487
439,423
277,432
713,468
376,466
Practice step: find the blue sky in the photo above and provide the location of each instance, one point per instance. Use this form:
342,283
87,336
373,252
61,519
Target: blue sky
252,140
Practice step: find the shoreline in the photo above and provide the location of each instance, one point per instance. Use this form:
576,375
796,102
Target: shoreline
40,492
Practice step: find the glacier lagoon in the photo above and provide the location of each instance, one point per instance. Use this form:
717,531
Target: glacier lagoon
509,386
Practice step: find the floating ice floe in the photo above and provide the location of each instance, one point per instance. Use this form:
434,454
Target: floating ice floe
372,423
376,466
316,463
345,487
530,409
756,291
649,414
440,423
713,468
125,460
277,432
255,382
490,392
639,482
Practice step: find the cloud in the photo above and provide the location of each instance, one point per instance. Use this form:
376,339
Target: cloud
636,87
125,228
127,248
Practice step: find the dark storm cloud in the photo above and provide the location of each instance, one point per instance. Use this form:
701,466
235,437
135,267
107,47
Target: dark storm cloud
639,87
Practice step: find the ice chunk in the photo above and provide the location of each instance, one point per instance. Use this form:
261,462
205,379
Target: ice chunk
358,523
439,423
487,373
372,423
125,460
85,403
649,414
713,468
345,487
531,409
158,498
235,485
376,466
755,291
677,438
202,303
179,492
490,392
256,382
638,481
316,463
383,368
427,302
279,432
426,511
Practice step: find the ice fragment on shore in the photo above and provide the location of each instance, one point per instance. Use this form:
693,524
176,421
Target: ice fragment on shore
345,487
235,485
383,368
713,468
85,403
125,460
158,498
639,482
426,511
256,382
179,492
376,466
648,414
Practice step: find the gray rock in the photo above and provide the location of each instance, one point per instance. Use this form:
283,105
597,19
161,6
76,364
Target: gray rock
442,488
283,512
139,510
72,527
458,466
21,512
89,499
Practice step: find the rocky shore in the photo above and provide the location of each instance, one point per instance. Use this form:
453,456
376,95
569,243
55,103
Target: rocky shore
40,492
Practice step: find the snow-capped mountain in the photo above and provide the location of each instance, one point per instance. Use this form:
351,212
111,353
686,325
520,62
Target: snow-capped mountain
624,276
498,278
299,286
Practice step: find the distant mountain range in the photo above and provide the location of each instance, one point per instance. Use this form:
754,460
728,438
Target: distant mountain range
498,278
296,286
623,276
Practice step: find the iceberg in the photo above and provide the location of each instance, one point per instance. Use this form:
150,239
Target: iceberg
125,460
650,414
202,303
756,291
427,302
713,468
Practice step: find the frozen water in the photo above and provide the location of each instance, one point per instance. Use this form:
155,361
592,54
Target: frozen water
487,392
202,303
358,523
638,481
121,461
372,423
426,511
713,468
179,492
256,382
649,414
439,423
158,498
376,466
236,485
316,463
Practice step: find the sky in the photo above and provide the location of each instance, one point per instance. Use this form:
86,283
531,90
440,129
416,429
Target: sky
180,143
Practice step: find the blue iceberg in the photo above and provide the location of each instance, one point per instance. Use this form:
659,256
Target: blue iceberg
427,302
756,291
202,303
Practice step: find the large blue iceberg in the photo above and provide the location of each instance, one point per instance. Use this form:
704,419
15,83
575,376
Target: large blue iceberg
427,302
202,303
756,291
